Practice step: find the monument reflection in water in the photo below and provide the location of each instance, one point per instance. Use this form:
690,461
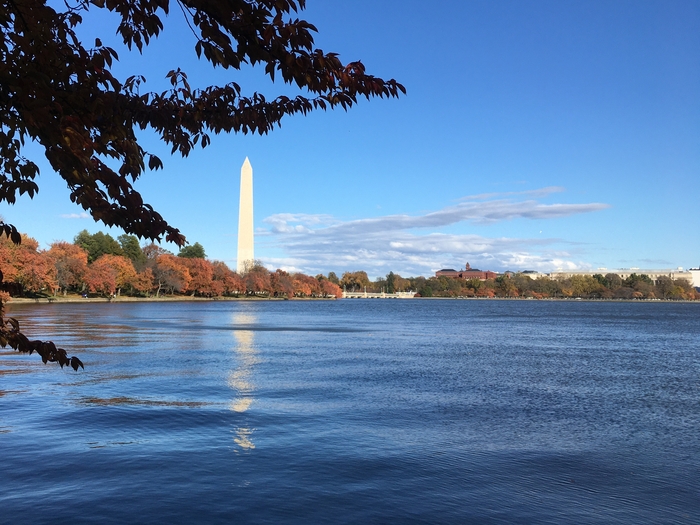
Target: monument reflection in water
241,377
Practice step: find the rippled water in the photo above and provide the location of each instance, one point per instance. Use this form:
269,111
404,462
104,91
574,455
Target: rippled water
355,411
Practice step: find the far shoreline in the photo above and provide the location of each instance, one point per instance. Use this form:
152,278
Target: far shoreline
178,298
162,299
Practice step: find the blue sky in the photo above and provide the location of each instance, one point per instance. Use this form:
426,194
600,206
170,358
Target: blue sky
534,135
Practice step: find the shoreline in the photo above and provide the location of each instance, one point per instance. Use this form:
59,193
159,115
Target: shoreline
162,299
551,299
167,299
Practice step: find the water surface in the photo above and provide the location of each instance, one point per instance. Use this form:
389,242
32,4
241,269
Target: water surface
355,411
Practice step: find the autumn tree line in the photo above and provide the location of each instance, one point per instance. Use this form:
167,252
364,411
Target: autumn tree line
99,265
599,286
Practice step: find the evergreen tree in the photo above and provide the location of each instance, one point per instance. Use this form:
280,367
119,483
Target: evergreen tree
97,244
390,283
131,249
193,251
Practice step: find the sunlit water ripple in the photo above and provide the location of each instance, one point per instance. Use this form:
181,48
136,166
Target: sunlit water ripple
355,411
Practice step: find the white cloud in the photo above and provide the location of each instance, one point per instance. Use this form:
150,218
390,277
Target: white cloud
81,215
317,243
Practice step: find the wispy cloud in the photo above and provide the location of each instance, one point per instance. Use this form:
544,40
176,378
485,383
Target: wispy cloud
538,193
297,222
315,243
81,215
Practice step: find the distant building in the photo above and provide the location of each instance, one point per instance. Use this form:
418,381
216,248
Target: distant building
695,272
624,273
467,273
533,274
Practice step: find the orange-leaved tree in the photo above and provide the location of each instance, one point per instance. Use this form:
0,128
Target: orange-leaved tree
230,282
109,274
257,280
201,276
171,273
70,262
306,286
329,289
144,281
282,283
26,266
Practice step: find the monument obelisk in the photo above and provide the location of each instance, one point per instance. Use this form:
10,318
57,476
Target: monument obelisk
245,219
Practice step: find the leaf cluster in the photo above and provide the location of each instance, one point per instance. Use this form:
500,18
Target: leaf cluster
10,232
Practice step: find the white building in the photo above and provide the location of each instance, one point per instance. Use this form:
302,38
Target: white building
624,273
695,272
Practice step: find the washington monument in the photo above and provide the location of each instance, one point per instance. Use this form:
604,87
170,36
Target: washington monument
245,219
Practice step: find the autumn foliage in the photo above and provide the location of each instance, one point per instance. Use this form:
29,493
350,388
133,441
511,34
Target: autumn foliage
70,262
64,269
